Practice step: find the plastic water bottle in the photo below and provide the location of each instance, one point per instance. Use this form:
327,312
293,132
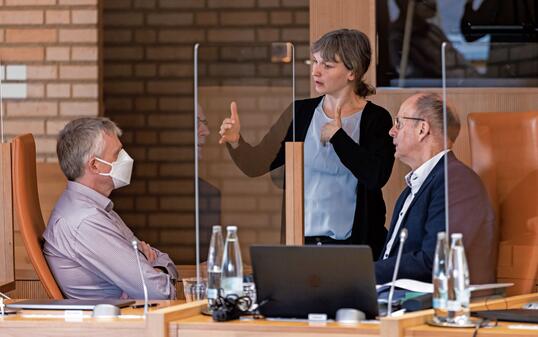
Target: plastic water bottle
440,279
232,264
459,294
214,264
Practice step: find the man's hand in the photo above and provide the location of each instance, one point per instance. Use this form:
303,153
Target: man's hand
147,251
329,129
229,130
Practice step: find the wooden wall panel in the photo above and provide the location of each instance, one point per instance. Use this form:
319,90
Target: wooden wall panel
28,289
7,269
294,193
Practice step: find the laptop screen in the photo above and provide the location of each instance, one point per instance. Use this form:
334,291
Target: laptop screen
294,281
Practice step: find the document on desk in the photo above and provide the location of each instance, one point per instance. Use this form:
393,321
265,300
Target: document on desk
407,284
424,287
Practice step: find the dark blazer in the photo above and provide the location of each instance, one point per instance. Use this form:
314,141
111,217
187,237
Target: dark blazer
370,161
470,213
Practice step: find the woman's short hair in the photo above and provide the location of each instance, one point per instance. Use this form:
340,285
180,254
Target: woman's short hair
352,48
80,140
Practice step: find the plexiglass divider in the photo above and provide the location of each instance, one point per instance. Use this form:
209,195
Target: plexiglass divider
496,210
241,181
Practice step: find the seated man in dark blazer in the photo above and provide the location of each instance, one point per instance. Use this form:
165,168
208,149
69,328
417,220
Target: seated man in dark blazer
418,136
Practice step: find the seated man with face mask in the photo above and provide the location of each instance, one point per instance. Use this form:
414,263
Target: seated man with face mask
87,245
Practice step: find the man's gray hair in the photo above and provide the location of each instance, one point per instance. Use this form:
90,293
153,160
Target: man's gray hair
430,107
80,140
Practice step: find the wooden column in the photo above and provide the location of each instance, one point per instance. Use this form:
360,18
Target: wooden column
294,193
7,265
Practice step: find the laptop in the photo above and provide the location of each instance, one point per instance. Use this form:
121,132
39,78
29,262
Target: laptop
294,281
68,304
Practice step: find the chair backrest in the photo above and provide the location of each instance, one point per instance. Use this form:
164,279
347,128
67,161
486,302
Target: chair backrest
504,153
28,210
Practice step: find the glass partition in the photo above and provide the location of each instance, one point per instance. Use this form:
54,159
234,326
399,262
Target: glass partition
491,64
241,181
499,141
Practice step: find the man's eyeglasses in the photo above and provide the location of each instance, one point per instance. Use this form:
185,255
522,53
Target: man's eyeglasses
398,121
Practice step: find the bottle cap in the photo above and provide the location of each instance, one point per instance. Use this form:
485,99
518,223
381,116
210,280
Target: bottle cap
231,228
456,236
217,228
441,235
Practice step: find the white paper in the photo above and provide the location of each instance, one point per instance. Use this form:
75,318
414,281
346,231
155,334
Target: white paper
411,285
423,287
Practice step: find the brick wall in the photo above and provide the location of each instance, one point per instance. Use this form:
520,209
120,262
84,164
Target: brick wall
148,90
50,49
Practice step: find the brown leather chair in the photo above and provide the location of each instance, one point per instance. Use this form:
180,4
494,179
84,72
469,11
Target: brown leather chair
504,152
28,211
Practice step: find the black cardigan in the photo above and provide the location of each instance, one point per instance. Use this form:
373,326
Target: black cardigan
370,162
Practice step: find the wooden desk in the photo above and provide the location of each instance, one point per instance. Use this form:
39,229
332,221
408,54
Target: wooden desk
15,326
408,325
176,319
424,330
201,326
155,325
501,330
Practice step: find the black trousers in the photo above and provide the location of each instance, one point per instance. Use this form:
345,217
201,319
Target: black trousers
325,240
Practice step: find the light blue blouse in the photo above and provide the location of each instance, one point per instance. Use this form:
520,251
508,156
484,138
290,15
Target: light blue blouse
330,188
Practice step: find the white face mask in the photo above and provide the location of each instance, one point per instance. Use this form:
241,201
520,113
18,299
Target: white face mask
121,169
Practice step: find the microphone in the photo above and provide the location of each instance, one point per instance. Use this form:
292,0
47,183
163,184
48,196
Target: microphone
5,296
403,237
2,295
135,247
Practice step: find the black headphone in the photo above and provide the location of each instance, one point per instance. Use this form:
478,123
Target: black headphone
230,307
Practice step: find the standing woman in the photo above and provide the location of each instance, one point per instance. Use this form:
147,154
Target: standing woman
348,153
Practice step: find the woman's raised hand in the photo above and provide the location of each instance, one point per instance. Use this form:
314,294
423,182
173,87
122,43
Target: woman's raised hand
338,116
329,129
229,130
